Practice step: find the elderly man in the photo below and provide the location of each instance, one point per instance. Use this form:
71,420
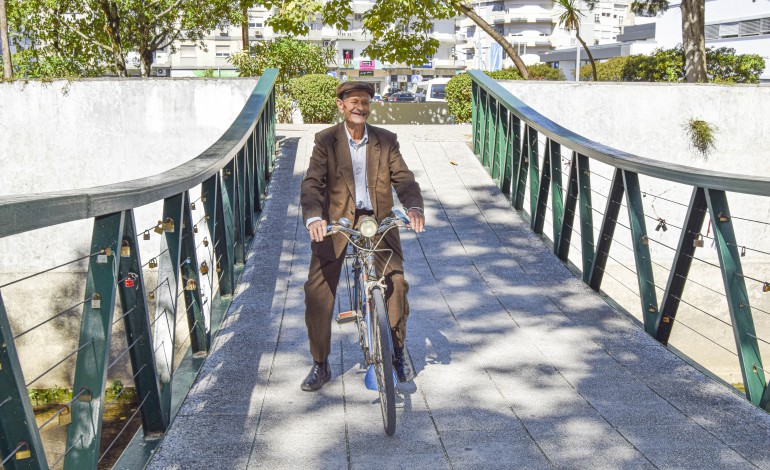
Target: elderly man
352,170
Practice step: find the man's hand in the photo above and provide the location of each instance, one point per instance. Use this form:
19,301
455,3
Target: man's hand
317,230
417,220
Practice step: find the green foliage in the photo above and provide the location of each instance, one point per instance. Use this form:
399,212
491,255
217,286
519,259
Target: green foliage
702,136
458,90
72,38
49,396
459,97
667,65
284,107
116,388
608,71
208,73
293,58
316,97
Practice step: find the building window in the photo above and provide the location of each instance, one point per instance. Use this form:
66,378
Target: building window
223,51
597,18
187,52
358,17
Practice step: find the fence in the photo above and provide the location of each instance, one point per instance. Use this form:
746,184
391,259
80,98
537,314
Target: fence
202,245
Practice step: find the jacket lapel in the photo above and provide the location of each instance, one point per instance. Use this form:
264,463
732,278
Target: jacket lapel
344,161
372,164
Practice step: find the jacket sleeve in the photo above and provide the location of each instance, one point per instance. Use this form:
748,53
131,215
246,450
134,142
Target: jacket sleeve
313,188
402,178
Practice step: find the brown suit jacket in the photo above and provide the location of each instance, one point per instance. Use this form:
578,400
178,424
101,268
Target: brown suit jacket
328,190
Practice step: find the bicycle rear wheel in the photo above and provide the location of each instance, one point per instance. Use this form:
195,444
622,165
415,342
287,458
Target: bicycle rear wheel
383,361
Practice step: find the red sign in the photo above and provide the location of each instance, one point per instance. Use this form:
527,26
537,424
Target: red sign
366,65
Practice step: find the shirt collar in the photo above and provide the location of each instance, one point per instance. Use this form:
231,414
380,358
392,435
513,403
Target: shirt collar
353,142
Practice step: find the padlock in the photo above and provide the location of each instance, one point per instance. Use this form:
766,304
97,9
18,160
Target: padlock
666,319
168,225
125,249
743,251
723,217
85,395
23,454
192,206
652,309
184,225
65,417
191,285
130,280
195,229
205,241
101,258
96,301
219,267
151,295
227,172
159,227
204,268
766,287
645,240
153,263
146,235
108,251
698,242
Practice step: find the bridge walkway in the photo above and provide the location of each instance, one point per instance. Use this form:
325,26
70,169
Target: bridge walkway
519,364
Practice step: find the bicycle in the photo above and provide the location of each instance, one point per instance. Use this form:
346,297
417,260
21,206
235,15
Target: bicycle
367,297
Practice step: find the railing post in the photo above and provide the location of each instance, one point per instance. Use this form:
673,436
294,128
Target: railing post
641,251
191,283
557,194
475,113
221,231
248,172
541,203
521,168
501,125
507,160
607,231
677,278
533,156
586,214
516,151
18,430
136,321
166,297
562,245
737,297
83,434
234,207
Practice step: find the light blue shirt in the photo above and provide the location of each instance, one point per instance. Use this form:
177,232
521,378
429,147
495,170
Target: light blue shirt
358,157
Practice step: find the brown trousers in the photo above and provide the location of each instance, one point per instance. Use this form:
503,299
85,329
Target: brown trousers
320,290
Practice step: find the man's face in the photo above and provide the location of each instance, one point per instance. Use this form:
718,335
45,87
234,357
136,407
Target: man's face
355,107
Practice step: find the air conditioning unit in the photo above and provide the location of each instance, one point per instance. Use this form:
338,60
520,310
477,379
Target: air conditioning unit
161,72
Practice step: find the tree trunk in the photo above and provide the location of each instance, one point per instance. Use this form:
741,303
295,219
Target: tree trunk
694,40
145,62
112,28
4,38
245,27
590,57
507,47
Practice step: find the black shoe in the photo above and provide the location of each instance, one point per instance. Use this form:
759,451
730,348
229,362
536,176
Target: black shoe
318,376
403,369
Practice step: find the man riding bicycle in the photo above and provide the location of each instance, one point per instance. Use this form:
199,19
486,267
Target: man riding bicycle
352,171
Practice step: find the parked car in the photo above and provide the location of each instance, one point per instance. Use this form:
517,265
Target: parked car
403,97
433,90
376,98
419,97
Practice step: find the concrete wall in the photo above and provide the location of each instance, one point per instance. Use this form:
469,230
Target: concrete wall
648,120
68,135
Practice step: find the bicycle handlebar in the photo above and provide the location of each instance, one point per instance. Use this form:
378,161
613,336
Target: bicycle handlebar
399,219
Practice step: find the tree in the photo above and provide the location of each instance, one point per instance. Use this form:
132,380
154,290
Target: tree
399,29
108,30
693,32
7,65
570,19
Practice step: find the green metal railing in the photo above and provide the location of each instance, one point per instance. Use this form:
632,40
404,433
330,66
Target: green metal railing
233,174
511,139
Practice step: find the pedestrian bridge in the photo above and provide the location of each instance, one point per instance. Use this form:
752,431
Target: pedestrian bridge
521,360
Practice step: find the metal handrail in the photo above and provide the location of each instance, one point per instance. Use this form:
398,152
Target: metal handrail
506,138
690,176
32,211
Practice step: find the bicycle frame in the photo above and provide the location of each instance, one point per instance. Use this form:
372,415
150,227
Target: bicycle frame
364,279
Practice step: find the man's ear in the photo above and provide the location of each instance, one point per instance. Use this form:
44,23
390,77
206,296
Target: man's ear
340,105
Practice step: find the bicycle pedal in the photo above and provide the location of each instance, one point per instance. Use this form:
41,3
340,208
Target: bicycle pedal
345,317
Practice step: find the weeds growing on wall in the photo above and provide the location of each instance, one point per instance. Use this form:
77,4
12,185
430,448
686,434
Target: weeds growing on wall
702,136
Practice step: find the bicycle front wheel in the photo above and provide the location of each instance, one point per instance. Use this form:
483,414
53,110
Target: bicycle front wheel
383,361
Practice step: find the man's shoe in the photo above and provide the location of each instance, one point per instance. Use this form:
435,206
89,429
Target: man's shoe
401,365
318,376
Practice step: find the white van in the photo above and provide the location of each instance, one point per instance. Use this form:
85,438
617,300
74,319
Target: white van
432,90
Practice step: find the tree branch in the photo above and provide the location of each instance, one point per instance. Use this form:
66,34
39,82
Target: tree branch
91,40
166,11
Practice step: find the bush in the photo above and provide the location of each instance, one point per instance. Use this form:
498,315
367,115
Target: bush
316,96
609,71
723,65
458,90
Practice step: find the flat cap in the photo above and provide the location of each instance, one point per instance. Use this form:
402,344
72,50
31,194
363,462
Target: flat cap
347,87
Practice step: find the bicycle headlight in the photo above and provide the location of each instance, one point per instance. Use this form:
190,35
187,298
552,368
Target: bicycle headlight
368,227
